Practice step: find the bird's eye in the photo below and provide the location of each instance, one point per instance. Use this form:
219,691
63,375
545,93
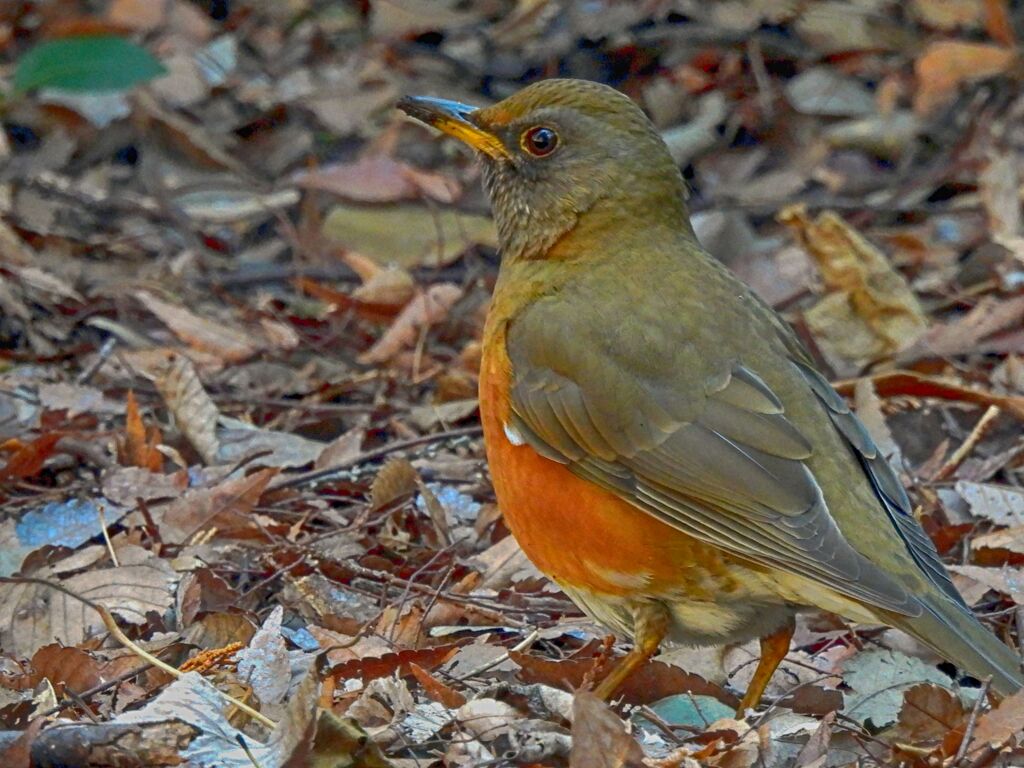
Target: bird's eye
539,141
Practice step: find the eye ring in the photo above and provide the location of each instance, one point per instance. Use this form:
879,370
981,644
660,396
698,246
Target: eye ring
539,141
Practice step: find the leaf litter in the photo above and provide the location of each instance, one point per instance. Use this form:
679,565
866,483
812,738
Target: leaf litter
240,319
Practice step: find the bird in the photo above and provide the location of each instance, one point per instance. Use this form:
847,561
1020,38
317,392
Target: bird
661,444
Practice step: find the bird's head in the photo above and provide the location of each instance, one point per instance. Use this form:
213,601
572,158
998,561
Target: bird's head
563,155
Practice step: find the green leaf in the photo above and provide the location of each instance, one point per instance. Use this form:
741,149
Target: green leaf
86,64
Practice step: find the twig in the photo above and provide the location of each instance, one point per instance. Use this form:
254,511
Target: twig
378,453
122,638
106,350
984,424
106,536
522,645
961,753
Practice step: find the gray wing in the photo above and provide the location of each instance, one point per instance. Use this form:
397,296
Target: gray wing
887,487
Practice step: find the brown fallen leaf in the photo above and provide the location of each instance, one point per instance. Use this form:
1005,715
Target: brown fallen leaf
211,336
226,508
870,311
966,333
396,479
75,669
1008,580
998,184
1001,504
1001,726
600,739
653,681
27,459
32,615
192,407
435,689
930,712
379,179
137,447
945,65
1009,539
428,308
408,235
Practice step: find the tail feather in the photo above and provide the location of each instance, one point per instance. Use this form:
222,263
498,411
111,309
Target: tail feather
955,634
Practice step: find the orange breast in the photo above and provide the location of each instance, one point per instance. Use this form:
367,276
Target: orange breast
576,532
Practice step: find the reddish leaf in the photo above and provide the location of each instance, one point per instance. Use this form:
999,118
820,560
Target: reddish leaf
381,666
893,383
435,689
28,458
599,737
137,448
653,681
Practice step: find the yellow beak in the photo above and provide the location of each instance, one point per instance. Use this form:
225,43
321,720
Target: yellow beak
455,119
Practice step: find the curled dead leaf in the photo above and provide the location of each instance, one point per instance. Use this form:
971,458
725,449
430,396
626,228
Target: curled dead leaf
947,64
870,311
192,407
428,308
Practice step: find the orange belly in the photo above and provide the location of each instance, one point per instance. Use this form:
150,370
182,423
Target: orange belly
575,531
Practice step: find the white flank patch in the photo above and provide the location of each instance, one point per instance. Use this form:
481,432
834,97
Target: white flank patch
513,435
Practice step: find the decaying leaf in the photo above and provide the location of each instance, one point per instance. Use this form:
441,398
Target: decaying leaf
870,312
211,336
1002,726
138,446
379,178
428,308
192,407
929,714
408,235
947,64
879,679
34,615
222,510
599,738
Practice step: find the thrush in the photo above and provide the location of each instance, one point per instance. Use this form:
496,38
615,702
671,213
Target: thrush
661,444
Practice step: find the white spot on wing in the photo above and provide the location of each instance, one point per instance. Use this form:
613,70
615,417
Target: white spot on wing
513,435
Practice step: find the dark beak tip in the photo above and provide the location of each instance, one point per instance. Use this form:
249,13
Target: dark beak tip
426,107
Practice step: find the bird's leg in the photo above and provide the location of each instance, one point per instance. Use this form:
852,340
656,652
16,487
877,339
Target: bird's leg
774,648
650,625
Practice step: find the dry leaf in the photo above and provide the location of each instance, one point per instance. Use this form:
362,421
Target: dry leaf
1010,539
599,738
211,336
194,411
395,480
947,64
1008,580
33,615
999,726
870,311
929,713
408,235
435,689
138,447
998,184
1002,504
965,333
428,308
377,179
391,286
225,507
342,449
76,399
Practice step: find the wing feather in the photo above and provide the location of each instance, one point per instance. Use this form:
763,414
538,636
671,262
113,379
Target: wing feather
724,465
